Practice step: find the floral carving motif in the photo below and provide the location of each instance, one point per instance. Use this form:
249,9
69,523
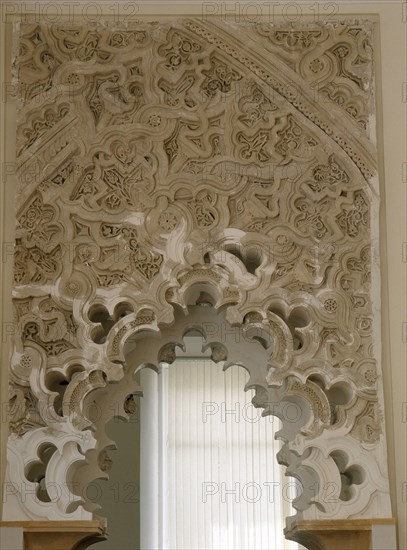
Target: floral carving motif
367,427
219,78
35,222
311,217
203,208
256,147
176,94
256,107
168,220
292,39
356,218
329,175
40,126
32,265
23,410
293,139
179,51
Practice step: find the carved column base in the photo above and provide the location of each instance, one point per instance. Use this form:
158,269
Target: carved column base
59,535
347,534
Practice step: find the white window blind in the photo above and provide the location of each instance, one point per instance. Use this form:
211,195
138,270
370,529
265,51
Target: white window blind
209,476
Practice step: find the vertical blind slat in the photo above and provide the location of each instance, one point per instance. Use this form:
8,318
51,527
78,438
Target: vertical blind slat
215,436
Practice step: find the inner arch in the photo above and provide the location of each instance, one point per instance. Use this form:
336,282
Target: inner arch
229,411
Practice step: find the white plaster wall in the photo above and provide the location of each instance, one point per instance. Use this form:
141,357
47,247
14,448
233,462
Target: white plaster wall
391,50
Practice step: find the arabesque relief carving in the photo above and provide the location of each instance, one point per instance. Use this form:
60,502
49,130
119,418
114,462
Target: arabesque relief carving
168,158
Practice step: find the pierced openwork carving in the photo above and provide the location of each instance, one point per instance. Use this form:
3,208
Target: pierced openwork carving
178,175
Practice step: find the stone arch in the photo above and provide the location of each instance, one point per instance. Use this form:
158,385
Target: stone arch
173,158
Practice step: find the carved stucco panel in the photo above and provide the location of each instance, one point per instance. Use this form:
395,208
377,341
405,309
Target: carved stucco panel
166,157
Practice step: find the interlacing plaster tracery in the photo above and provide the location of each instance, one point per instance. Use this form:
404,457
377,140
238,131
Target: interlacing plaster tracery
167,161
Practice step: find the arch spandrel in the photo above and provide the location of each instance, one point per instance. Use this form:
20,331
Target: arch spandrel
169,159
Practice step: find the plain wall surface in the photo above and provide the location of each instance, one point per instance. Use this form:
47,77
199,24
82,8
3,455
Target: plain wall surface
11,538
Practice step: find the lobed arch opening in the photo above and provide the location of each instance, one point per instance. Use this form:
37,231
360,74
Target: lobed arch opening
247,346
231,344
